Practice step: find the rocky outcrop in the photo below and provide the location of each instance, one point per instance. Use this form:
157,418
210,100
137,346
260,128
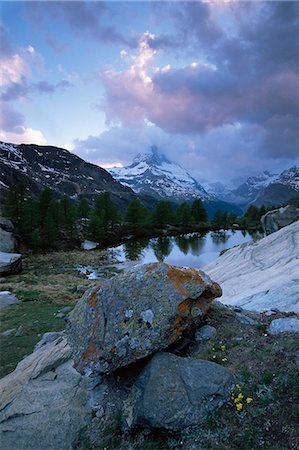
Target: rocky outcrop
263,275
8,241
10,263
43,402
278,218
174,392
136,314
7,299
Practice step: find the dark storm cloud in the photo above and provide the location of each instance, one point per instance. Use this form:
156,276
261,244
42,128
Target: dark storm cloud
84,18
250,77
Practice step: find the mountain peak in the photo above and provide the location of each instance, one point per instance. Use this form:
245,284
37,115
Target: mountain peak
153,174
153,157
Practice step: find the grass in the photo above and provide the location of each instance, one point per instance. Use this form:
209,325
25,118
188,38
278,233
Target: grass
35,319
47,283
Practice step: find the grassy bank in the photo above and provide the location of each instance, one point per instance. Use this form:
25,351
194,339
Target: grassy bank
47,284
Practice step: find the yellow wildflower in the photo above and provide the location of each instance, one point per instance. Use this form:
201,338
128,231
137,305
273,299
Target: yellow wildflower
223,347
249,399
214,356
224,359
240,396
239,406
238,386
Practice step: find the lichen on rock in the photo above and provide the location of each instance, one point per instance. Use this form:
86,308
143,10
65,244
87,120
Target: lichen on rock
136,314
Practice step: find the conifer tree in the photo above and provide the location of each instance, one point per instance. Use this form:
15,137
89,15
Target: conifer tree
183,214
198,211
162,214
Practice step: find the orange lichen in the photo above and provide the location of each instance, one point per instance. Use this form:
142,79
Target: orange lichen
179,277
93,297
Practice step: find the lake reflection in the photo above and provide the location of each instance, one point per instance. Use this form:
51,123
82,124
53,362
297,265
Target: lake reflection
191,250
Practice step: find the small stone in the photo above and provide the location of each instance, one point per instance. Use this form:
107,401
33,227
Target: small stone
270,313
59,315
245,319
284,325
65,310
205,333
8,333
20,331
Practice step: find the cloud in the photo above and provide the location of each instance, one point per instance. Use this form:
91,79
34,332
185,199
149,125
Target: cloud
220,154
24,136
83,18
242,78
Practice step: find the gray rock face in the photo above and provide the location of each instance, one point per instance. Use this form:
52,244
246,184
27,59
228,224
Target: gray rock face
174,392
278,218
8,242
10,263
136,314
263,275
43,402
284,325
7,299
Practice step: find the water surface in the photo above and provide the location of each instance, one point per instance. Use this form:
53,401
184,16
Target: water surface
187,250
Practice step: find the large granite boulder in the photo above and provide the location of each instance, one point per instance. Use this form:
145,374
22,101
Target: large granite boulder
136,314
173,392
8,241
263,275
10,263
43,403
278,218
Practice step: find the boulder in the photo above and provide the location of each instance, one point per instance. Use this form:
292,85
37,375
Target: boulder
88,245
173,392
278,218
135,314
10,263
205,333
284,325
8,242
44,401
263,275
7,299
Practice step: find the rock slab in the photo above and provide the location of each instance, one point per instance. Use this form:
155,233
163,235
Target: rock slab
135,314
7,299
8,242
173,392
10,263
43,402
263,275
284,325
278,218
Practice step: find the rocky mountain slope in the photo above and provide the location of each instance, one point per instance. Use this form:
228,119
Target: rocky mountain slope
153,174
38,167
265,189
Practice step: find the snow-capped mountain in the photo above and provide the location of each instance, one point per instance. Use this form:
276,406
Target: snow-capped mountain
154,175
265,189
37,167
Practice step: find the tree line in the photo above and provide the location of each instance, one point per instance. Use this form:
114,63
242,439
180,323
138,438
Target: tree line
43,221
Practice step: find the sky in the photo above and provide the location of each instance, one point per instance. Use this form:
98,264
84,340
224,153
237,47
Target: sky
214,84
